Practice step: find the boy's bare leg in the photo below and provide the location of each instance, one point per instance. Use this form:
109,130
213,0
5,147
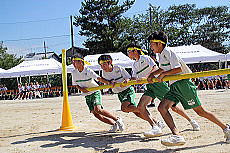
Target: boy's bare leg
104,112
145,113
103,118
210,116
181,112
163,108
127,107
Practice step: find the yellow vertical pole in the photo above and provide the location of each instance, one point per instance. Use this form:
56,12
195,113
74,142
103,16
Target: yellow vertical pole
67,123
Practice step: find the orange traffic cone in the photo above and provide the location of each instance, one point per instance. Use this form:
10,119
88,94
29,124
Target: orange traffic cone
67,123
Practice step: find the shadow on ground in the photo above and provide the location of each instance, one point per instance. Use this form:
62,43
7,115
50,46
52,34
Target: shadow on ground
101,141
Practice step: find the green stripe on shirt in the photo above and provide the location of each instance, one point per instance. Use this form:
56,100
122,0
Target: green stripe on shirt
165,64
143,69
83,80
118,78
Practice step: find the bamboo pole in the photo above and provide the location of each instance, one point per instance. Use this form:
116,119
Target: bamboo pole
169,78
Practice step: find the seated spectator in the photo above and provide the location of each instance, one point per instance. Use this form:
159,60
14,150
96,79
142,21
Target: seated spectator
48,85
37,93
1,87
36,86
201,85
218,84
21,92
1,93
211,84
224,84
228,81
28,90
42,85
206,84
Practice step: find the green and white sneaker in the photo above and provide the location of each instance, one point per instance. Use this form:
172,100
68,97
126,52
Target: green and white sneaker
174,140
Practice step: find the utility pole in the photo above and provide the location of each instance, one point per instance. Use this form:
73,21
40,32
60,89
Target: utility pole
71,30
150,22
150,15
45,48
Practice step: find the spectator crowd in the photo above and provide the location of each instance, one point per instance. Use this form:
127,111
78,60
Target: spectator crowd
210,83
29,91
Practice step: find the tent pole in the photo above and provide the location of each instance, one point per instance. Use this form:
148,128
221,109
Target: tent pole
47,76
17,81
219,64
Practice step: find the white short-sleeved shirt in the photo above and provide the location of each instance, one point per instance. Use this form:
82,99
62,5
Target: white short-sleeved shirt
21,89
143,66
169,60
35,86
119,74
85,79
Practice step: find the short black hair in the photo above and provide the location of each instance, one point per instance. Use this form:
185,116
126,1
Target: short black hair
158,36
104,57
77,55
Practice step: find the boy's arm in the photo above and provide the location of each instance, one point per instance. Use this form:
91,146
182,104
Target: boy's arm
133,78
103,80
152,75
154,69
126,80
81,89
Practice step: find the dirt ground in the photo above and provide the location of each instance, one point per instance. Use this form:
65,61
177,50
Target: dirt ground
29,126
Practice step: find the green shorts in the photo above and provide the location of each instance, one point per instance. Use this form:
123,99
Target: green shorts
156,90
93,100
183,91
127,95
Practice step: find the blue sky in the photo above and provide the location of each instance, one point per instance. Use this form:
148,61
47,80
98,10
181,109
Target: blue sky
27,19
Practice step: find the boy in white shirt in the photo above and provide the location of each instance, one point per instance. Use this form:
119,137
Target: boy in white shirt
83,77
142,67
183,91
117,74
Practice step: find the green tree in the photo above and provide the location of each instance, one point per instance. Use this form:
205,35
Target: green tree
178,23
8,61
185,25
213,28
141,27
100,21
206,26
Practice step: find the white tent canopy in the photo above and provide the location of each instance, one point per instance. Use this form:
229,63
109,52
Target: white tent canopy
197,54
33,68
2,70
228,57
118,59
